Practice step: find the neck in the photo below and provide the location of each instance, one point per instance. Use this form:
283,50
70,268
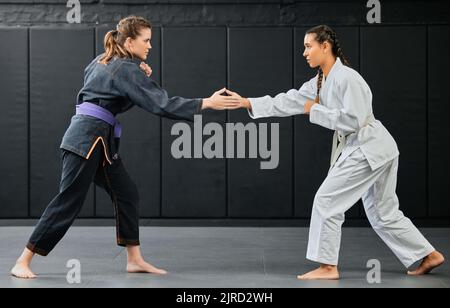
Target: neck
328,65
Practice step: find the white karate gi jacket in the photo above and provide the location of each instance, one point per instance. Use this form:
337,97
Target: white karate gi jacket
345,106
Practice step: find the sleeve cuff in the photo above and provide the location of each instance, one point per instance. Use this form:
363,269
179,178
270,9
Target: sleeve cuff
257,108
313,113
200,105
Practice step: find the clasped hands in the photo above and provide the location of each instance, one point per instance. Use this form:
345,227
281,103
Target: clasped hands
225,99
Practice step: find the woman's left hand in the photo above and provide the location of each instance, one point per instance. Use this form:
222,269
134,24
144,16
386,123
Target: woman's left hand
243,102
308,106
146,68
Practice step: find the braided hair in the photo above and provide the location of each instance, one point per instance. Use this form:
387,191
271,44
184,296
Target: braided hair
326,34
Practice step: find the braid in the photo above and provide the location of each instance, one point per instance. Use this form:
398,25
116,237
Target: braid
339,53
319,85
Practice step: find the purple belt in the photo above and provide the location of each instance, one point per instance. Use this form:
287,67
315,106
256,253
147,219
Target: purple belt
101,113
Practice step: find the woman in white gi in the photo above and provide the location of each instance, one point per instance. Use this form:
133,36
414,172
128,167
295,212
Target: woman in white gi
364,160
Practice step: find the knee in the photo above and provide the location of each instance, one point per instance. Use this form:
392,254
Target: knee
386,220
321,206
135,195
328,213
132,194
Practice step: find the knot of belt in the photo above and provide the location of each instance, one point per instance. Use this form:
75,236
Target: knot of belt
340,140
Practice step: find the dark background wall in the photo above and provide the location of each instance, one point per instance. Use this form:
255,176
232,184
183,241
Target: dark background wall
253,47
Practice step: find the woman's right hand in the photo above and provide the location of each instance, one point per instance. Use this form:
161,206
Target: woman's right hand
221,102
146,68
243,102
308,106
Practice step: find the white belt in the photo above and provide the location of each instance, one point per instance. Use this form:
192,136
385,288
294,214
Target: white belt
340,140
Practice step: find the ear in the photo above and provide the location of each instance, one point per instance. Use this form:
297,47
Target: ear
128,41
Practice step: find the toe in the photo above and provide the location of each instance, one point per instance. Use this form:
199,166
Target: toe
413,273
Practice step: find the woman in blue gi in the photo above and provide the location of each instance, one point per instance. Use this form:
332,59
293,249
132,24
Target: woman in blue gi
364,160
114,82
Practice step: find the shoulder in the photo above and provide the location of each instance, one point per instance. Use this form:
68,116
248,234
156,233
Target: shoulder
312,83
125,66
98,58
93,62
347,76
314,79
348,73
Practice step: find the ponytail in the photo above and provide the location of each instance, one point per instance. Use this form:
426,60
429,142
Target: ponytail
112,48
115,39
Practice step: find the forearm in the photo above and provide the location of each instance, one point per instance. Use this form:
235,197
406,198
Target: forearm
182,108
283,105
333,119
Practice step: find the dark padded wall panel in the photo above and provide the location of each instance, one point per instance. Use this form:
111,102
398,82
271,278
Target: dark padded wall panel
14,122
40,80
260,63
140,145
193,187
313,142
56,76
191,2
44,1
397,77
438,130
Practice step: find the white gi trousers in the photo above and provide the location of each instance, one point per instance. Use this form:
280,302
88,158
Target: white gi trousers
348,181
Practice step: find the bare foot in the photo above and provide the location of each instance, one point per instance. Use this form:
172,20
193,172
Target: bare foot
144,267
429,263
23,271
324,272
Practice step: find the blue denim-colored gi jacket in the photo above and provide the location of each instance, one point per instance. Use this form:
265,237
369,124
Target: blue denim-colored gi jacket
117,87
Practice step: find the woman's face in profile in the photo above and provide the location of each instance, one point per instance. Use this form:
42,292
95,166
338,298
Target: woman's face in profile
140,46
314,51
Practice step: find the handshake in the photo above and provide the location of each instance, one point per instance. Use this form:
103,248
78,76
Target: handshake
225,99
